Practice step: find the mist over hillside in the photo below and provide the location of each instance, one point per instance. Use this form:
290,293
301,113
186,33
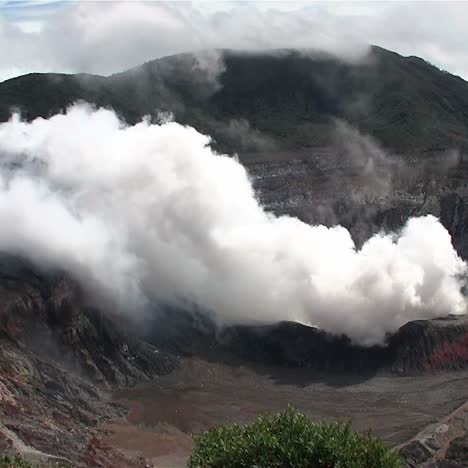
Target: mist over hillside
283,99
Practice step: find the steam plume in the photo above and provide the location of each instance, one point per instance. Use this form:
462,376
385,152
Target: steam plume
149,213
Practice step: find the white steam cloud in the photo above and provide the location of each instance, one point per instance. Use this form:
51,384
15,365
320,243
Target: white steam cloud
149,213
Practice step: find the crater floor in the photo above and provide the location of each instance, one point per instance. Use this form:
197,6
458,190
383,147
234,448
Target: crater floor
163,414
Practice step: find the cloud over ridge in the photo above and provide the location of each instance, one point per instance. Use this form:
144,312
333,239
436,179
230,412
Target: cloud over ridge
111,36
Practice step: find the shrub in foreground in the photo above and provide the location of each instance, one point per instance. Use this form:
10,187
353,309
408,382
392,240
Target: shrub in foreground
290,439
13,462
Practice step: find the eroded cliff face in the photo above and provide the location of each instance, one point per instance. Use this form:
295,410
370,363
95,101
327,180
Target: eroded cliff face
431,345
58,359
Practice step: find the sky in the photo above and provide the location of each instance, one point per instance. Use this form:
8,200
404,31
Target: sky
104,37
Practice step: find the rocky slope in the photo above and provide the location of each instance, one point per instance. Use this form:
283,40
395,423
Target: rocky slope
58,359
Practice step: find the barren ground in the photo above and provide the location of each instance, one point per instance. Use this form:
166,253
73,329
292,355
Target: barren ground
199,394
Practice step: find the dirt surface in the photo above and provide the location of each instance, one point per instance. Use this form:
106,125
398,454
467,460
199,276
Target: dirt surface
200,394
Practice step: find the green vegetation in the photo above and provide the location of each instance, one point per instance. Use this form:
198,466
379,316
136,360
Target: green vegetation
291,98
16,462
290,439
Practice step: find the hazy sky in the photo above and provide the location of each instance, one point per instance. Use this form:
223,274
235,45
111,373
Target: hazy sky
106,36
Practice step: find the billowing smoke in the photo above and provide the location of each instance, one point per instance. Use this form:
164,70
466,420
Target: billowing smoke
149,214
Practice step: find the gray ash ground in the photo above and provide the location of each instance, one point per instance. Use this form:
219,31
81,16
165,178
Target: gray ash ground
163,414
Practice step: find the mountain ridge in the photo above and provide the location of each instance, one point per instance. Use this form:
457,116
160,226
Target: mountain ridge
290,98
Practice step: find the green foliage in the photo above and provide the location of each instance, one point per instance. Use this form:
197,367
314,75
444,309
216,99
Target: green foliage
291,98
290,439
16,462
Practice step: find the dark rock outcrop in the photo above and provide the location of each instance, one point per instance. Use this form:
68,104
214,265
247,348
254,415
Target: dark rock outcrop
419,346
431,345
294,345
457,452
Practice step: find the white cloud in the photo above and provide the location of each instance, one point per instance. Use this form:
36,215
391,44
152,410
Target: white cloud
150,213
106,37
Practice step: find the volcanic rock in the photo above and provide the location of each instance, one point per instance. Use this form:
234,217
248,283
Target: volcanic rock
419,346
58,357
